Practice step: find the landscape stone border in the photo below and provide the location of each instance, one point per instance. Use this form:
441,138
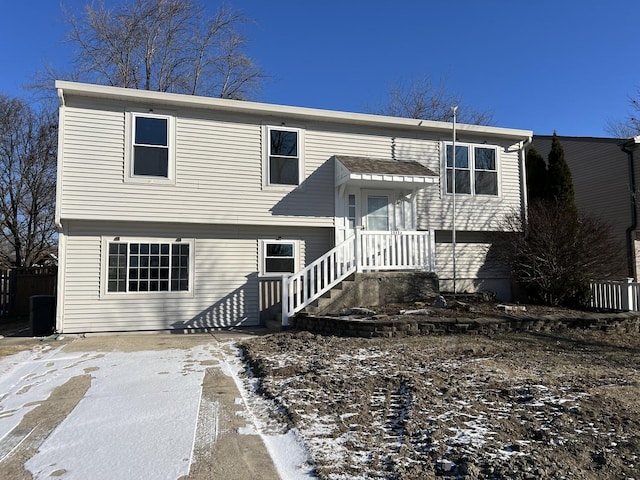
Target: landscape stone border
409,325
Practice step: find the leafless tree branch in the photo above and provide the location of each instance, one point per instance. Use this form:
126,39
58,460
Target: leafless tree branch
423,99
164,45
28,143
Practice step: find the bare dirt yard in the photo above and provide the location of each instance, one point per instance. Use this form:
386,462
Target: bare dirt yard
515,405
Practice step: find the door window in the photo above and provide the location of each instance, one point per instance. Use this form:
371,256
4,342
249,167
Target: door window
377,212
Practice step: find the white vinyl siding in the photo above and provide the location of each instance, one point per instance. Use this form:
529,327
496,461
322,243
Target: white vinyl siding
219,173
478,265
225,289
475,213
218,177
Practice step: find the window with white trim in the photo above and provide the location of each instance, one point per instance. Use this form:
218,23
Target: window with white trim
148,266
476,169
279,257
151,147
283,163
351,214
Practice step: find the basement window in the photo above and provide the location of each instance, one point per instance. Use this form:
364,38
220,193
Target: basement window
279,257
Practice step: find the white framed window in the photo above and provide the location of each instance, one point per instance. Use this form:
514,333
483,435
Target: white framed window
351,211
284,165
476,169
150,156
279,257
148,265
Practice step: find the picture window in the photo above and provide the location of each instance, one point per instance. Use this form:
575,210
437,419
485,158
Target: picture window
148,267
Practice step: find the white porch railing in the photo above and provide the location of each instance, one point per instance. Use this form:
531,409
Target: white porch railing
395,250
622,295
364,251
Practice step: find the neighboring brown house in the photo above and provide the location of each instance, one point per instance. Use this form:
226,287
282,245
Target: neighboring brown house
604,174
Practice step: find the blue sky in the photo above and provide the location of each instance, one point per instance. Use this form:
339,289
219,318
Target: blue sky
545,65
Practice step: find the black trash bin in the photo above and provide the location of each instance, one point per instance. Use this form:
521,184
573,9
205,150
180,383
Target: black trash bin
42,314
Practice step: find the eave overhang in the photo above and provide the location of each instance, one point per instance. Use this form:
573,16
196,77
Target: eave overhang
149,99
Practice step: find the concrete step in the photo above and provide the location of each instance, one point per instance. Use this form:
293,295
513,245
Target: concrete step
364,289
329,297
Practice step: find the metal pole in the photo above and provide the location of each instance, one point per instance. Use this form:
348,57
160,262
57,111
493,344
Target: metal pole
453,190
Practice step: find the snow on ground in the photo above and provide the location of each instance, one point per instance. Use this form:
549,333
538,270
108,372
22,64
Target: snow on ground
139,417
472,407
137,420
285,446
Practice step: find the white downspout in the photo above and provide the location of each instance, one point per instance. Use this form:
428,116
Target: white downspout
523,169
453,189
62,234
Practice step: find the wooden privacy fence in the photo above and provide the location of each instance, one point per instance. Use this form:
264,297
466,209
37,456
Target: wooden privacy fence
18,285
5,292
616,295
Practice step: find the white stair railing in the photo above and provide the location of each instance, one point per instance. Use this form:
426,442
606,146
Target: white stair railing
366,250
317,278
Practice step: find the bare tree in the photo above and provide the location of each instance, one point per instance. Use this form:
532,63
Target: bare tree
422,98
164,45
630,126
28,142
557,252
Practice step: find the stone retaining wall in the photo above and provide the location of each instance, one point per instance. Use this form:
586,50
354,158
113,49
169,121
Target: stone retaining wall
387,327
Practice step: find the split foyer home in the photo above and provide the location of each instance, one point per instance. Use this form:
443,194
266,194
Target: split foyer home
181,212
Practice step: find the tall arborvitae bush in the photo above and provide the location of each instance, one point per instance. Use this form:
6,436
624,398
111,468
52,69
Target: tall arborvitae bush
536,175
559,178
558,250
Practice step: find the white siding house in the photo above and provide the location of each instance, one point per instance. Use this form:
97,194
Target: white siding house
178,212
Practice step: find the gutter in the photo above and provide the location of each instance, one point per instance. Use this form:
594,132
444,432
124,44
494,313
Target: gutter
634,220
278,112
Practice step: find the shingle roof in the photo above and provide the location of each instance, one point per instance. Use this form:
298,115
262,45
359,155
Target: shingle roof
391,167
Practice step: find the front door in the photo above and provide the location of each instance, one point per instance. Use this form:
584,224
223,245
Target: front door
377,211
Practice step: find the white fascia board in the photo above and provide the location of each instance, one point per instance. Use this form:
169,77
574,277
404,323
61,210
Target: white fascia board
391,180
301,113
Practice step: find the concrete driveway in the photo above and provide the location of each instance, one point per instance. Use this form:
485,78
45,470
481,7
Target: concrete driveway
130,406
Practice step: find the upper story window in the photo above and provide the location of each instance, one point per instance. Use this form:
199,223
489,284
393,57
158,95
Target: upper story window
476,168
284,161
150,156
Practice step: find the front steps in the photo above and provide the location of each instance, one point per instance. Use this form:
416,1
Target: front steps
376,288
